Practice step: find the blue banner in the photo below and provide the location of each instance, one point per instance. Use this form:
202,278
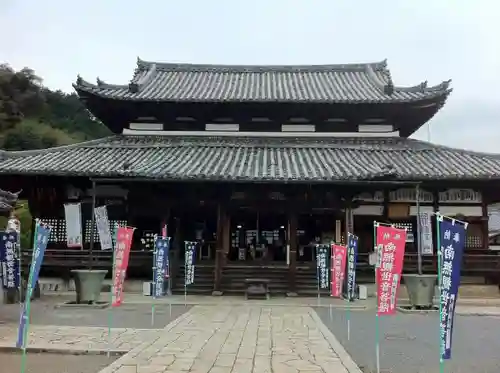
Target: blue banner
42,234
323,272
9,260
160,268
452,242
352,257
189,255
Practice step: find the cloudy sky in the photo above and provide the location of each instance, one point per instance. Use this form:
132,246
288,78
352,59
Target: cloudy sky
430,40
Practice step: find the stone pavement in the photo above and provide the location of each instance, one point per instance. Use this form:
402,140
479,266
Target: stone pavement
67,338
240,339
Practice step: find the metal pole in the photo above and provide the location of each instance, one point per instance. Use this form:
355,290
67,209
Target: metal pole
92,225
419,244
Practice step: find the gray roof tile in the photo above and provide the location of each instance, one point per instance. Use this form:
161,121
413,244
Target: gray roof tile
349,83
254,159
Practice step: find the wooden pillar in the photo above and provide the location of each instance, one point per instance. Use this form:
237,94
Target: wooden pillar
293,242
219,248
484,223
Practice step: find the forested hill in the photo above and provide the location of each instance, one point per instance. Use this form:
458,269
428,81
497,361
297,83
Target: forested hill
34,117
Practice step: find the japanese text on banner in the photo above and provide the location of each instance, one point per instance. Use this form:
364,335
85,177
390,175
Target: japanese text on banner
9,261
40,244
352,256
102,223
120,265
452,237
425,235
73,214
390,251
160,267
338,259
322,264
190,250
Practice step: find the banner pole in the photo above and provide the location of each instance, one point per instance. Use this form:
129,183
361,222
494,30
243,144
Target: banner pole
27,300
377,326
19,261
111,291
154,269
317,275
185,273
348,310
439,218
169,291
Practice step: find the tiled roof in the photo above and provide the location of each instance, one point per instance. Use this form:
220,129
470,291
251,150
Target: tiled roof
348,83
254,159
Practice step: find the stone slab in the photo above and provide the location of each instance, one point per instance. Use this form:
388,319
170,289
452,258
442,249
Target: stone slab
239,339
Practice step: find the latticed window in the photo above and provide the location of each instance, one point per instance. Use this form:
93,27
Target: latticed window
112,225
58,229
409,230
474,238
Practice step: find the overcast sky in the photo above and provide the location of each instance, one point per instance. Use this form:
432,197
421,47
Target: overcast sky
430,40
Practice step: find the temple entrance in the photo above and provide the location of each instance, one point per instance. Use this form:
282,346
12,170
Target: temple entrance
318,227
258,237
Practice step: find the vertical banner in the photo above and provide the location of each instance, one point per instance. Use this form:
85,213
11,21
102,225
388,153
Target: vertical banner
452,243
190,250
103,228
73,215
352,257
122,254
425,237
338,259
390,243
160,266
9,261
322,264
42,233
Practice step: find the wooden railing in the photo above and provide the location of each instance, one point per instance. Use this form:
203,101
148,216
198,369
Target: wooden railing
82,258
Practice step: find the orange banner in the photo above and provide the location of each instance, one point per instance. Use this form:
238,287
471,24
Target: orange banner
390,255
120,265
338,260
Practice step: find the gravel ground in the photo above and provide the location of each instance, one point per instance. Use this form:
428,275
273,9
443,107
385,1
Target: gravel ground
409,343
55,363
43,312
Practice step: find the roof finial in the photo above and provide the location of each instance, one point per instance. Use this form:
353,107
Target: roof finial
133,87
79,80
99,82
389,87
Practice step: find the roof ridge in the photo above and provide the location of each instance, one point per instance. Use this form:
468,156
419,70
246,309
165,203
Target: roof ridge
262,68
434,146
84,144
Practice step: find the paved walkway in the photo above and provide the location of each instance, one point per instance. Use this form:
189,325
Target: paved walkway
240,339
67,338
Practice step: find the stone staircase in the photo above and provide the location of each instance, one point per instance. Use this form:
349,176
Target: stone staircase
233,278
203,280
306,281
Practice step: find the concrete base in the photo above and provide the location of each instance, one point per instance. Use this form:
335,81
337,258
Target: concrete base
410,309
95,305
217,293
291,294
88,284
420,289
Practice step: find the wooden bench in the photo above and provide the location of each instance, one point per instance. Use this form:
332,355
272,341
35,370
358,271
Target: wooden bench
257,288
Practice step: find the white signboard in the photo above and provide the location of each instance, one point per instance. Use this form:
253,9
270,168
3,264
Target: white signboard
102,223
73,214
424,219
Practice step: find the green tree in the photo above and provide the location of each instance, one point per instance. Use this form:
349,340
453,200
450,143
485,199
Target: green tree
34,117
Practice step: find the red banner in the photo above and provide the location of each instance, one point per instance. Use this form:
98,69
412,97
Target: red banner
120,265
390,255
338,260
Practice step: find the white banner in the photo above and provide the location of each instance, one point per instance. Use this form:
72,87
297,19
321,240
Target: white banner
73,214
424,219
102,223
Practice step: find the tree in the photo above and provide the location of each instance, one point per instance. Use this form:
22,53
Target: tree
34,117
